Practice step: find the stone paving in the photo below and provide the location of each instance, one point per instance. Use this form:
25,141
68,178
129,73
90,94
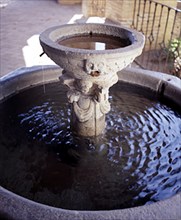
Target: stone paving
21,22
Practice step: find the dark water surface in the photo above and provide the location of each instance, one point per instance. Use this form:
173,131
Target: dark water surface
136,161
95,42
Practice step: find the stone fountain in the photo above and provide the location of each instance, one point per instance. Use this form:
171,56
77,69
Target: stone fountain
89,73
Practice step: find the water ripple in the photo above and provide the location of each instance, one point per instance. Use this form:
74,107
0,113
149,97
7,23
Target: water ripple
136,161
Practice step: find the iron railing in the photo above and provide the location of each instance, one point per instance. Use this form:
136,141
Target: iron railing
161,25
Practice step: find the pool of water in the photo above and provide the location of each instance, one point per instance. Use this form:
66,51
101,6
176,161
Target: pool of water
135,162
94,42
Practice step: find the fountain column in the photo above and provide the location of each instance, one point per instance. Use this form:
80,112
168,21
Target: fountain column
89,98
89,73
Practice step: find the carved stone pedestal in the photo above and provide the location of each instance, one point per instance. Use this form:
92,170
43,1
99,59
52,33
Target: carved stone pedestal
89,73
89,99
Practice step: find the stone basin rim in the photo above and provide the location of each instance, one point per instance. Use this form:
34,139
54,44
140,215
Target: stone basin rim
136,38
19,207
39,210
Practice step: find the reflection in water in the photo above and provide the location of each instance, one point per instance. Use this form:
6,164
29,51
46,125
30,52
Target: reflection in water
136,161
94,42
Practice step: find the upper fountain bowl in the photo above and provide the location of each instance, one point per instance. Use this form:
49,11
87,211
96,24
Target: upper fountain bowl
91,50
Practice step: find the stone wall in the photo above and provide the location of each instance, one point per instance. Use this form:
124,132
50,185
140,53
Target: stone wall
179,4
94,8
115,9
123,10
69,2
120,10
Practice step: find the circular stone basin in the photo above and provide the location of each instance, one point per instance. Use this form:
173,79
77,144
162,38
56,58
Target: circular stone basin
142,144
78,48
91,55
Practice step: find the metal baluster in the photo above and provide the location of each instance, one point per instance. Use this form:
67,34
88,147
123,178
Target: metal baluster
164,41
146,34
151,37
138,14
171,37
143,16
144,8
157,36
134,12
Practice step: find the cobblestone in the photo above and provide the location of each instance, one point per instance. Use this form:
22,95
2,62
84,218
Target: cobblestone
21,22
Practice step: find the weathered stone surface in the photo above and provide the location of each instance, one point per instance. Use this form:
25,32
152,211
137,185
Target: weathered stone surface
90,73
16,207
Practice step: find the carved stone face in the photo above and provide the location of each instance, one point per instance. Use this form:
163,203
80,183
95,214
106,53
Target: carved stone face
95,67
84,86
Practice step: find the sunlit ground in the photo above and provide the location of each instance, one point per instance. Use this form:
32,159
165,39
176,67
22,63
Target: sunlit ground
4,3
31,51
